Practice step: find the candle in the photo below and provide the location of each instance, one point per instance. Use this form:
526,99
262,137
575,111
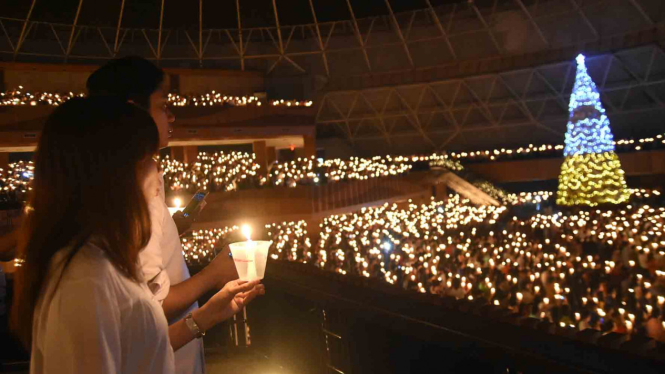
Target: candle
250,252
250,256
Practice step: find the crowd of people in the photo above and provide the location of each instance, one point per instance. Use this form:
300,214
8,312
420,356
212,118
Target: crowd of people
21,96
231,171
214,98
598,268
215,172
238,170
290,241
549,150
589,268
305,171
14,184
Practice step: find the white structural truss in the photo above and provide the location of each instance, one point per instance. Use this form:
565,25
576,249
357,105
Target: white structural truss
423,37
459,75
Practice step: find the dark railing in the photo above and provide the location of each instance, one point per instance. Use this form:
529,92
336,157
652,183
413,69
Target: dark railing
311,321
346,194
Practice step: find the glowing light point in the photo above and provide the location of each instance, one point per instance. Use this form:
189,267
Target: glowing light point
580,59
246,232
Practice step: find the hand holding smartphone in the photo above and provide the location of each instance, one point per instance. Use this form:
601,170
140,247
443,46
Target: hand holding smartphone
195,202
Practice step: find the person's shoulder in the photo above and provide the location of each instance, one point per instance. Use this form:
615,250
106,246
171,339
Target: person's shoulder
90,263
156,204
91,271
158,209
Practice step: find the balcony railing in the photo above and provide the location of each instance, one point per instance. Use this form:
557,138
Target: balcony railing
312,321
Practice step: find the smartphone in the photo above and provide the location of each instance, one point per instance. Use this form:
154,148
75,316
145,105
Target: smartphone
194,203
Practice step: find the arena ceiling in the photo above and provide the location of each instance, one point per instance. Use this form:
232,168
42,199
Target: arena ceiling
218,14
507,109
386,75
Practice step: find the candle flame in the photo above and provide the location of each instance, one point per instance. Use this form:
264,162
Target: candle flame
247,232
177,202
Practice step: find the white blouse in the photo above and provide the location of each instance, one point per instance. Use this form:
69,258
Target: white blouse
163,265
95,320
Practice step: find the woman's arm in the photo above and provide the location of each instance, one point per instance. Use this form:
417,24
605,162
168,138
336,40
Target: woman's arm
224,304
181,296
176,298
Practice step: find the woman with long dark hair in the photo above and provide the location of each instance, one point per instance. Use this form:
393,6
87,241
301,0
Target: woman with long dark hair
81,302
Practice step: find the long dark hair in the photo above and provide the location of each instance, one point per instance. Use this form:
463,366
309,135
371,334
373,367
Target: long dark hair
86,185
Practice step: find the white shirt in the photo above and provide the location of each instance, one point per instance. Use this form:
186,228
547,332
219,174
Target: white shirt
95,320
163,264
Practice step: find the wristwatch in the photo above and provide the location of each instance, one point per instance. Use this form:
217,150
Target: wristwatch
193,327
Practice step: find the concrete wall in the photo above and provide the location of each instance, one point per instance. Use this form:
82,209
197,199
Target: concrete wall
49,81
336,148
225,83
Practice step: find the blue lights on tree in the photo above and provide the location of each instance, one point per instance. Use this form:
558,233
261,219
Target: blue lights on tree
588,129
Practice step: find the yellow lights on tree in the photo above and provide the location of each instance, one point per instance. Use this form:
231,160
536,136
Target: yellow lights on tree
592,179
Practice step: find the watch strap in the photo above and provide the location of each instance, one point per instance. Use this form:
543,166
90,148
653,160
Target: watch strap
193,327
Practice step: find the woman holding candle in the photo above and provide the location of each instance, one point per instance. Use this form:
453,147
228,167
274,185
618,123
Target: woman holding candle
81,302
138,81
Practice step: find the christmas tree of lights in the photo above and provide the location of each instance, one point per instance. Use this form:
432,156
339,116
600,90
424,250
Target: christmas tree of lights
591,173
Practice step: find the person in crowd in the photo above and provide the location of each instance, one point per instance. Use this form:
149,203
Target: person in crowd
138,81
654,326
585,321
81,303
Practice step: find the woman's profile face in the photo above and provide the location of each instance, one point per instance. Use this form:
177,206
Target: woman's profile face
148,176
162,115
